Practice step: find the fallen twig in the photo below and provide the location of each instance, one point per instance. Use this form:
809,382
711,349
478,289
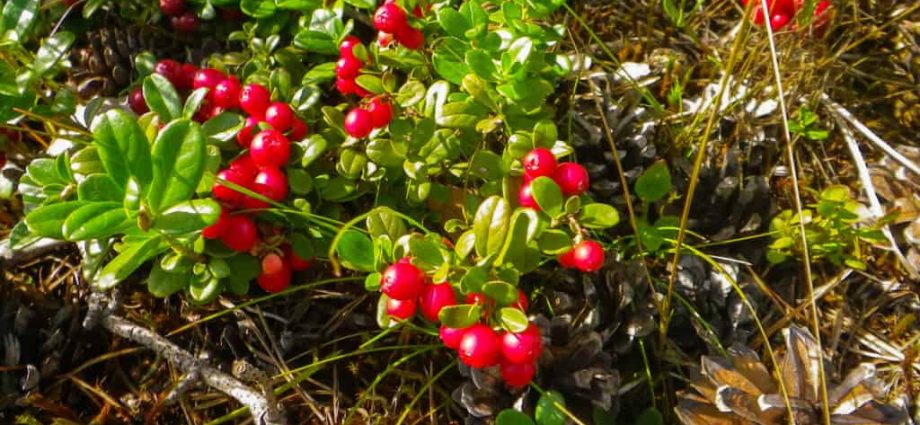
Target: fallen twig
10,258
102,312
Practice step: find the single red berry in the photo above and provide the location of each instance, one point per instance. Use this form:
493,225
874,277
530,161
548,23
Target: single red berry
417,11
588,256
358,123
434,297
245,167
518,375
522,301
171,70
208,78
539,162
451,336
347,45
296,262
480,346
410,38
254,100
215,111
822,17
525,197
203,112
188,77
299,130
391,18
385,39
522,347
572,178
172,7
250,203
401,309
567,259
345,86
137,102
226,193
249,130
381,112
271,183
476,298
277,281
219,227
226,93
402,281
272,263
778,21
186,22
241,234
348,67
270,148
280,116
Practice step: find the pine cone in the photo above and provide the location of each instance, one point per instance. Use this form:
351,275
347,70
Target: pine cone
740,390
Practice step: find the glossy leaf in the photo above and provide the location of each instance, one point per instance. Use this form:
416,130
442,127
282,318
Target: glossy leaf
356,251
123,149
48,220
598,216
382,221
655,183
161,97
490,225
548,410
51,52
460,316
502,292
134,253
95,220
161,283
187,217
512,417
100,187
513,319
18,17
548,196
179,156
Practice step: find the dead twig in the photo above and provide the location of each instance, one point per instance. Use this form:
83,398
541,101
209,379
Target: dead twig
10,258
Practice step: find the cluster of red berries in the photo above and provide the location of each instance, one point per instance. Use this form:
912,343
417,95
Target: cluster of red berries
782,12
479,346
348,67
180,18
392,22
571,177
277,269
378,112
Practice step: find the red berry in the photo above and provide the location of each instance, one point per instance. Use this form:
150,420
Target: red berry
280,116
778,21
275,281
525,197
401,309
137,102
567,259
390,18
381,112
188,77
241,234
225,193
215,111
434,297
522,347
348,68
245,167
588,256
417,12
296,262
298,129
522,301
244,137
186,22
171,70
203,112
270,148
347,45
250,203
208,78
451,336
358,123
172,7
476,298
539,162
480,346
254,100
518,375
572,178
411,38
345,86
402,281
217,229
384,39
272,263
226,93
271,183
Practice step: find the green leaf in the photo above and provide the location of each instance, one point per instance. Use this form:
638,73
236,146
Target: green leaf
487,165
512,417
481,63
194,102
95,220
449,68
187,217
655,183
162,283
427,252
51,52
372,282
382,222
48,220
370,83
100,187
598,216
123,149
18,17
133,254
162,98
650,416
548,410
206,291
513,319
553,241
179,157
453,22
356,251
243,269
223,127
460,316
313,147
548,196
410,93
465,244
490,225
502,292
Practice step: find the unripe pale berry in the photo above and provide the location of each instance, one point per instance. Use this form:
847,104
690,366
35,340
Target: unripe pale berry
479,347
275,280
402,281
272,263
